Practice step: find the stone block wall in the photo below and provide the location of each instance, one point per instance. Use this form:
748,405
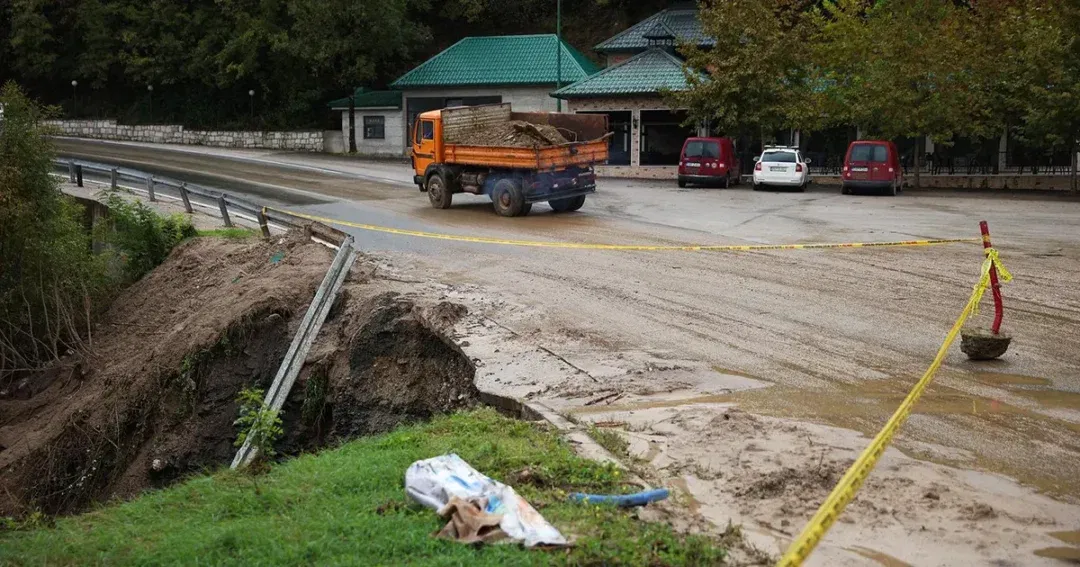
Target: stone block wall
302,140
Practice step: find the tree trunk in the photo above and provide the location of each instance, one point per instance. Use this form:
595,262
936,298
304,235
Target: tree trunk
352,123
1075,157
920,144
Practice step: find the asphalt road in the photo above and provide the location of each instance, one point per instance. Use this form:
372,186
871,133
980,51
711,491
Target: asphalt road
841,333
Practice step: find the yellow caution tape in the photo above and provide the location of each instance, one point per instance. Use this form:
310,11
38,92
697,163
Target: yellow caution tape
849,484
624,247
992,260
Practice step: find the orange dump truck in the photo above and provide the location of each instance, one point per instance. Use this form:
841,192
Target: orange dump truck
515,158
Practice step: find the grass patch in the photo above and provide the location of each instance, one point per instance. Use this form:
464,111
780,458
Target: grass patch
611,440
235,233
348,506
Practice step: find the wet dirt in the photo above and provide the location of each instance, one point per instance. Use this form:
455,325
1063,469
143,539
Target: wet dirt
514,133
878,557
155,399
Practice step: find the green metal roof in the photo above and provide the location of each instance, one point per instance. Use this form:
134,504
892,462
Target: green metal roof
649,72
683,24
363,98
499,60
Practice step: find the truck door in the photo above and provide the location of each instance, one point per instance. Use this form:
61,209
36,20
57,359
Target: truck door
423,145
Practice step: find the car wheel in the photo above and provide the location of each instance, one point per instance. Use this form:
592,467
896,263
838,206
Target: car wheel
682,183
892,189
725,182
757,187
567,205
508,199
802,188
438,193
845,190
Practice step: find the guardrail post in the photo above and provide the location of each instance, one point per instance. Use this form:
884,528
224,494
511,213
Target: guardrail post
184,197
71,171
224,210
114,178
150,187
78,175
263,223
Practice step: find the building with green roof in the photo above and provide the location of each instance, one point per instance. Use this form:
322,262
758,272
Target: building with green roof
643,63
376,115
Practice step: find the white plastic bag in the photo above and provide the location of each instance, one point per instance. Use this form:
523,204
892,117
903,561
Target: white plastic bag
432,482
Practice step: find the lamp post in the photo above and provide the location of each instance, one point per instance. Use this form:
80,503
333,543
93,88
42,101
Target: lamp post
150,96
74,98
251,97
558,51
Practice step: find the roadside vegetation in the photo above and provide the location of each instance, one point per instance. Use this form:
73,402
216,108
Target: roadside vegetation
52,285
347,505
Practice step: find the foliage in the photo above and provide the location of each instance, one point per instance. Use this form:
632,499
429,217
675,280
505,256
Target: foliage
202,57
141,237
49,281
259,425
348,503
758,75
896,68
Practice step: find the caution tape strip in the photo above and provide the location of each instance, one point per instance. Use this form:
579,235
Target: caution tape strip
624,247
853,479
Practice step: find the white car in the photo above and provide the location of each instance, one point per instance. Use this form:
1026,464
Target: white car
781,167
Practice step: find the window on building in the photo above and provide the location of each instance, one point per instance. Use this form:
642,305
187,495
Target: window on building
374,127
662,136
619,142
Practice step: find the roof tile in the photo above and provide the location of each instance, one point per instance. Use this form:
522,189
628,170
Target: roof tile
683,24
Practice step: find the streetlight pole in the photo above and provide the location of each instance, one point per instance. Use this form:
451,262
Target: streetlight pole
251,97
558,51
150,96
74,98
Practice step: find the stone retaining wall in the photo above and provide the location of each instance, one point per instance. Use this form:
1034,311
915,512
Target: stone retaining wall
303,140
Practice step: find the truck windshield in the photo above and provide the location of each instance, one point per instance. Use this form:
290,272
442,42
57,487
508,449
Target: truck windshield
702,149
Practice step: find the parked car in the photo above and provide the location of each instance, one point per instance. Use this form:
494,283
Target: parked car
708,161
781,167
872,165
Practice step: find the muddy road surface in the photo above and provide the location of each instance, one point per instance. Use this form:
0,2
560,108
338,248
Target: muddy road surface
818,346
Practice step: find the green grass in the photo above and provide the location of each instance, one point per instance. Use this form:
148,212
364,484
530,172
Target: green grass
233,233
611,440
348,506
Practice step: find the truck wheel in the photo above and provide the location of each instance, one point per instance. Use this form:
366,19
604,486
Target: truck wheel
438,193
508,199
567,205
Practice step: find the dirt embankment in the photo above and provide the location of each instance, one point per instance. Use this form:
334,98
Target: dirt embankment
156,398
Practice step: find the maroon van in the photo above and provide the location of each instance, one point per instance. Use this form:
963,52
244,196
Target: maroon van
708,161
872,165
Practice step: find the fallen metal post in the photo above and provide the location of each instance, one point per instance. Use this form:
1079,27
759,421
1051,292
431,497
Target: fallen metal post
302,341
114,178
184,197
264,225
224,210
150,187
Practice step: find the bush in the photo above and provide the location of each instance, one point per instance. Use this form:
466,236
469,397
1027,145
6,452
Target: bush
141,237
50,283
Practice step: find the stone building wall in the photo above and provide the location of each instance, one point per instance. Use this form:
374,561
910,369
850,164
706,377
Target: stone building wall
302,140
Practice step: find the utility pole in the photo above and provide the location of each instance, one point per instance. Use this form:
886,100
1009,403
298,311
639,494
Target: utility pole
74,98
558,51
352,122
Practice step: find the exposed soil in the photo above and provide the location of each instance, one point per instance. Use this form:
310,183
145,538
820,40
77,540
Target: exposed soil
156,399
514,133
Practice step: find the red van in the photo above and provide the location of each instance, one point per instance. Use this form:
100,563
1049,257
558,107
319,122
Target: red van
708,161
872,165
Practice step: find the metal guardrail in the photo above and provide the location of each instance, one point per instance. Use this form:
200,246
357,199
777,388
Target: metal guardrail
188,193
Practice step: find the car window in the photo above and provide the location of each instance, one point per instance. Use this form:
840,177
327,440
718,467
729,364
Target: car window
700,148
778,157
869,152
428,128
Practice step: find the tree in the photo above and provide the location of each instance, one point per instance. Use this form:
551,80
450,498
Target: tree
901,68
759,74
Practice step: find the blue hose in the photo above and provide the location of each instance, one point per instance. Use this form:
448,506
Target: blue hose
622,500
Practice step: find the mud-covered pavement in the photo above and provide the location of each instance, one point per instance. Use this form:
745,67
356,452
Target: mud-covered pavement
802,350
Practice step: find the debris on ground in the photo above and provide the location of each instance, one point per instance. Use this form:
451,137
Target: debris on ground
156,399
473,503
514,133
